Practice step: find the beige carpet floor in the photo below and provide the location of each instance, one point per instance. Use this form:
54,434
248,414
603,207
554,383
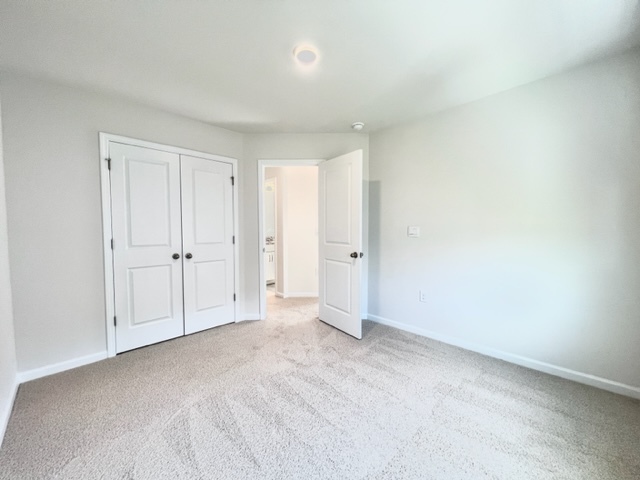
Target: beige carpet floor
294,398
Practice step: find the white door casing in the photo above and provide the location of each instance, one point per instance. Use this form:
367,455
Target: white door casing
208,237
145,196
340,242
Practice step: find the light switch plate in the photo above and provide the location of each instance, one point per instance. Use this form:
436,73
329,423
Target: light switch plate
413,231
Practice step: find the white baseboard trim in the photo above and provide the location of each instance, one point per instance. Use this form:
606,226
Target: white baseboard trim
296,294
251,316
5,415
585,378
60,367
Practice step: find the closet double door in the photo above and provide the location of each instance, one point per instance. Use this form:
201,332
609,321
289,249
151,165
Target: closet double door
173,253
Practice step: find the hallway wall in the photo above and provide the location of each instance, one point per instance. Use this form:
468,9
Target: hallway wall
297,228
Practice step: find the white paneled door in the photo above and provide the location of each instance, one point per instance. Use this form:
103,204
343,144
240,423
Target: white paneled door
208,239
147,247
172,219
340,242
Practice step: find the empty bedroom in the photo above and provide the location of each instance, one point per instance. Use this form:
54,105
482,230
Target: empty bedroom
284,239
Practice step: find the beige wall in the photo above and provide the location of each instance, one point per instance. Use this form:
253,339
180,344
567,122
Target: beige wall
277,173
301,235
297,239
529,205
54,215
8,365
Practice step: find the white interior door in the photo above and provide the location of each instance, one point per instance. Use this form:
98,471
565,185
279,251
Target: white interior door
340,242
207,219
147,253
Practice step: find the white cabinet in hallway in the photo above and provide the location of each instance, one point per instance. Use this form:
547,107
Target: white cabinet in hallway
270,264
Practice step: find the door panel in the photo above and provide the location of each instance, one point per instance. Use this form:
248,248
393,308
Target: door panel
338,291
145,195
211,288
207,206
338,204
148,184
150,295
340,232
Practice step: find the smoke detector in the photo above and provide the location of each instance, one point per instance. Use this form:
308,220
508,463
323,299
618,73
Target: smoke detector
357,126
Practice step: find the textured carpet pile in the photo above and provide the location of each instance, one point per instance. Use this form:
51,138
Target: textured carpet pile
293,398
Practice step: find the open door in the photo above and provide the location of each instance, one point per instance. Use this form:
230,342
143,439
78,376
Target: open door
340,242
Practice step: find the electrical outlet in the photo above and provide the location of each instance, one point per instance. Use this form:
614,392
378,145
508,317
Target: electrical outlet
423,296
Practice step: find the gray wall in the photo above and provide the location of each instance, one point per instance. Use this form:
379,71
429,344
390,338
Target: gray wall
529,205
280,147
53,193
8,366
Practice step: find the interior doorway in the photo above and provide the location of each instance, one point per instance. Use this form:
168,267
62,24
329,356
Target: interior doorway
288,224
337,214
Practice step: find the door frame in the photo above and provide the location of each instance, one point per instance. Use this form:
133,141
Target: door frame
262,165
107,232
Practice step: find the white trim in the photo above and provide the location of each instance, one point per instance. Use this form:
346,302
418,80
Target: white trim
262,165
61,367
585,378
236,234
297,294
107,235
5,416
105,188
279,294
252,316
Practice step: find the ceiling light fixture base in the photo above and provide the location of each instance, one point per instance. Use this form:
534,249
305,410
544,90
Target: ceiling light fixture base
305,55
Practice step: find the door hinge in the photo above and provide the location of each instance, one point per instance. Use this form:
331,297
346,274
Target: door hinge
234,297
233,181
115,322
234,240
108,163
112,244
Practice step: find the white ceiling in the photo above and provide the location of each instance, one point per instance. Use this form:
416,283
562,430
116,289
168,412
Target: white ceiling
382,62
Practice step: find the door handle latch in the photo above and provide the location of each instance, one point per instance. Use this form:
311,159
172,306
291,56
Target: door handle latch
354,255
